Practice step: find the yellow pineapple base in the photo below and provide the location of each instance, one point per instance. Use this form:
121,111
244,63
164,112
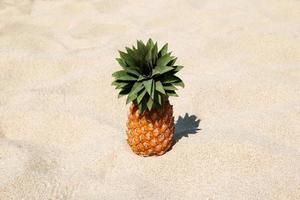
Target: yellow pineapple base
150,133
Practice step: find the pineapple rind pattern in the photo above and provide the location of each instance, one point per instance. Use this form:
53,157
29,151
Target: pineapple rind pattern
150,133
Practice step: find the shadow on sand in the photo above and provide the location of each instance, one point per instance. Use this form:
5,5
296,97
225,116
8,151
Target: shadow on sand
189,124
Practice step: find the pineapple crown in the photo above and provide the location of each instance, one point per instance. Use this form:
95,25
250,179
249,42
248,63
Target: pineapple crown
148,75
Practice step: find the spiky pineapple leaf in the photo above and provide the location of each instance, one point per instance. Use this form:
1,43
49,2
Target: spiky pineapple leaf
164,60
138,86
141,46
159,87
154,53
120,85
124,92
148,57
172,62
170,87
141,95
180,83
161,70
177,68
172,72
132,71
163,50
171,79
141,78
153,90
131,53
127,58
150,87
158,99
143,104
149,104
150,44
123,75
171,93
115,83
130,98
122,62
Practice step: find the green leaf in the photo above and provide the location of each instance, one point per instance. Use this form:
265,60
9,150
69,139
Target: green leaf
122,62
114,83
159,87
130,52
170,87
140,44
124,76
119,73
177,68
127,58
150,104
120,84
164,60
172,93
138,86
141,48
150,87
153,90
163,50
142,106
141,78
161,69
148,57
123,92
132,71
172,72
141,95
130,98
158,98
180,83
170,79
150,44
172,62
154,53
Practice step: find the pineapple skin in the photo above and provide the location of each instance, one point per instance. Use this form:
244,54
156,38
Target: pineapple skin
150,133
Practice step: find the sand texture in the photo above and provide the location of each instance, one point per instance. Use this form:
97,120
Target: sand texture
62,128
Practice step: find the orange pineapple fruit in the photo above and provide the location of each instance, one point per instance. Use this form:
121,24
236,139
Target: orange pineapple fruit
148,79
150,133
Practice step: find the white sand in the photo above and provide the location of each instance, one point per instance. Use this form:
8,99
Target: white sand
62,128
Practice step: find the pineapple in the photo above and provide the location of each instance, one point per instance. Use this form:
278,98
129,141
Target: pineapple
148,79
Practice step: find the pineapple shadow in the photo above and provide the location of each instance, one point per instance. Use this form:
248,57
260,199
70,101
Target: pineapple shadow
189,124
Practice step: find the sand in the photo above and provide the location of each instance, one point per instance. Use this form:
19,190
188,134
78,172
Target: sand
62,128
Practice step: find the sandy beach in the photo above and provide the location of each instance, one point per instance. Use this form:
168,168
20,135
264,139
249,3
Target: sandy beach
62,127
